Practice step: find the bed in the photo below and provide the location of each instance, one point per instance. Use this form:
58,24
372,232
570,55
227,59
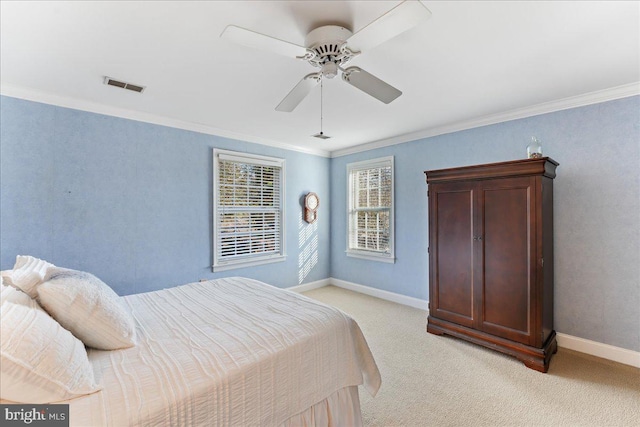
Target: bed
232,351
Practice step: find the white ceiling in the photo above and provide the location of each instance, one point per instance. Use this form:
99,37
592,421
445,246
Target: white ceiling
470,62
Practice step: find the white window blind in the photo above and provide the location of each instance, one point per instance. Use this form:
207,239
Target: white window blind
370,193
248,213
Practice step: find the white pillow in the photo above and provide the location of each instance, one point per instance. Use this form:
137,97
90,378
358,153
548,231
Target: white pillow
8,293
5,277
87,307
40,361
28,272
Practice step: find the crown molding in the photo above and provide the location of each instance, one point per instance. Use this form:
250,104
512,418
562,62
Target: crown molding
521,113
94,107
611,94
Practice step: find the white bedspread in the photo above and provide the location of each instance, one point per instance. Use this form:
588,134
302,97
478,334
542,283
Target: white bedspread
226,352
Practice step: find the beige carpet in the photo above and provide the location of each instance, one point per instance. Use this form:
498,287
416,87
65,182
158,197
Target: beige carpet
429,380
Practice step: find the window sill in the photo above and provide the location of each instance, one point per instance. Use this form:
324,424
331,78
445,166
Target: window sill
386,258
247,263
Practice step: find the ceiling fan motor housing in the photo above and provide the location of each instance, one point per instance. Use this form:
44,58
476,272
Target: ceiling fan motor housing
327,45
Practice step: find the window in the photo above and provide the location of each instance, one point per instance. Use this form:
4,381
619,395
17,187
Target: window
370,209
248,210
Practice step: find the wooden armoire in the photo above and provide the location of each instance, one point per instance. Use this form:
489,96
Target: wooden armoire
491,257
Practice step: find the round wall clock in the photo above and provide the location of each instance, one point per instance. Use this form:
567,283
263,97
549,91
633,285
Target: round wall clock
311,203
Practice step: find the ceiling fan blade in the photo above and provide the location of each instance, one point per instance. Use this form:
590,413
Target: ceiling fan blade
299,92
255,40
401,18
370,84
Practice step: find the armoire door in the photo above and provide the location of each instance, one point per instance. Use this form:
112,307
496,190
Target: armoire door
506,235
451,252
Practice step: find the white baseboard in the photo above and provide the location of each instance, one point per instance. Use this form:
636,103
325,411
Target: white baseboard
309,286
386,295
593,348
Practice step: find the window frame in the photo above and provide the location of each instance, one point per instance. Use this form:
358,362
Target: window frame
388,257
219,263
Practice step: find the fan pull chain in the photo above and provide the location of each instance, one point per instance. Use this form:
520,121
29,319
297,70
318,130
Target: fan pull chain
321,135
321,87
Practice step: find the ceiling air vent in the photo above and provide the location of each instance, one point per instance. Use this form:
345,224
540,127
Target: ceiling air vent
124,85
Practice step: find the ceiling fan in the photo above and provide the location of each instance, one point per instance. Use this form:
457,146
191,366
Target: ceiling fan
331,47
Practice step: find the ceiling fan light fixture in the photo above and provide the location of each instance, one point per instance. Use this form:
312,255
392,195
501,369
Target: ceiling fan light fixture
329,70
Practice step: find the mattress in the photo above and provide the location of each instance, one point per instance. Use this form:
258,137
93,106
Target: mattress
230,351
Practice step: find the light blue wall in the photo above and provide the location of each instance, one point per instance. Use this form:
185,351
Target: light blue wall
131,201
596,207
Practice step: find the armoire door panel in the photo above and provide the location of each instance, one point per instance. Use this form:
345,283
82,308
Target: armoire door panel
507,232
454,249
